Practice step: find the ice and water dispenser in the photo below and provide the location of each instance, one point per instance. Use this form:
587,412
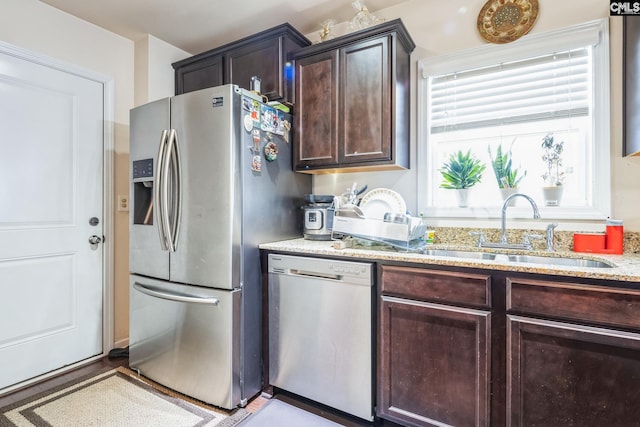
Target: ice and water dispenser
143,192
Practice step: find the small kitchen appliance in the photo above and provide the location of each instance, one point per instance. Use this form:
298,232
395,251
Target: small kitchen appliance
318,217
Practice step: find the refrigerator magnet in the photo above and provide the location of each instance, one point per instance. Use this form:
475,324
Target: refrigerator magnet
247,104
269,120
271,151
256,140
280,122
252,107
287,130
248,123
256,164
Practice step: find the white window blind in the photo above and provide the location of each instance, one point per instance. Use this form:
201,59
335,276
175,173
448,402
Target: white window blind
549,86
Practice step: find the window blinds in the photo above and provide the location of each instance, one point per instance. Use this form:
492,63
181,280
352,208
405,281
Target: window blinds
549,86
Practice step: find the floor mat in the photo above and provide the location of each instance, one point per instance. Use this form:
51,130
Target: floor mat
113,398
277,413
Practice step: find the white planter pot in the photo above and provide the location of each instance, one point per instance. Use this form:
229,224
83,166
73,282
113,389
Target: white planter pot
462,196
506,192
552,195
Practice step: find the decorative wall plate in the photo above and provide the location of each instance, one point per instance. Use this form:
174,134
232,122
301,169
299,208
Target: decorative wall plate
503,21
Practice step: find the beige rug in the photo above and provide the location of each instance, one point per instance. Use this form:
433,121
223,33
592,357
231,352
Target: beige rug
115,398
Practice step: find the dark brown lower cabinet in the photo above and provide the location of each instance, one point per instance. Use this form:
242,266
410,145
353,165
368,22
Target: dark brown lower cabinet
563,374
470,347
434,348
434,364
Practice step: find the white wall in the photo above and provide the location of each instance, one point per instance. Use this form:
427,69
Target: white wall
439,27
154,75
37,27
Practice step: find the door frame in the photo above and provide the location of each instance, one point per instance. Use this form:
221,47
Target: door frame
108,144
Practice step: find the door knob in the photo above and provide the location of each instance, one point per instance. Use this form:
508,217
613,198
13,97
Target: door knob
94,240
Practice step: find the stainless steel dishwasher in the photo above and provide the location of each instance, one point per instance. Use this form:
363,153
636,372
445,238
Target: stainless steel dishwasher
320,331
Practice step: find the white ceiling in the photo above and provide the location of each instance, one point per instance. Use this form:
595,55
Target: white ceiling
199,25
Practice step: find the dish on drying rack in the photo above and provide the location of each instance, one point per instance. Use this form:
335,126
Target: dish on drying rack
379,201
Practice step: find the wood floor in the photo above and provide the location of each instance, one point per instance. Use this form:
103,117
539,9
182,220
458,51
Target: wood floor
93,368
106,364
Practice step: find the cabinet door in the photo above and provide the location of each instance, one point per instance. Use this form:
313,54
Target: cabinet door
199,75
434,364
631,92
316,111
365,99
561,374
261,59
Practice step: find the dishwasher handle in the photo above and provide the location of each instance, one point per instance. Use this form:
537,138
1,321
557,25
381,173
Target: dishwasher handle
171,296
314,274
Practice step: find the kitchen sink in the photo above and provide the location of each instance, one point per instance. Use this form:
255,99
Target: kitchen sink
529,259
556,260
460,254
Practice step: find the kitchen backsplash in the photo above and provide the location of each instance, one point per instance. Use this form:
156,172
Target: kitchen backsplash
563,239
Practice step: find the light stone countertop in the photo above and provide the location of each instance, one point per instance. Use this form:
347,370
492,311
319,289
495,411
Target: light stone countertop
627,267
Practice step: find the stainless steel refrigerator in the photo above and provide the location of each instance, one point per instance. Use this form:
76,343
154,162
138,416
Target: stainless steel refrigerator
211,178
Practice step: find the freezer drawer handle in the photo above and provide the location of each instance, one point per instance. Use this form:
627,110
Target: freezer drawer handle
175,297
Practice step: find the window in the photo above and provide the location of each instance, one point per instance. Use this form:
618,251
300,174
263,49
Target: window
511,97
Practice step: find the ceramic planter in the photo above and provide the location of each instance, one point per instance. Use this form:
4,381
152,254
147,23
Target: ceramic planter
506,192
462,195
552,195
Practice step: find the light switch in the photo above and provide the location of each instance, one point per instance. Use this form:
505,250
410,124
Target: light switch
123,203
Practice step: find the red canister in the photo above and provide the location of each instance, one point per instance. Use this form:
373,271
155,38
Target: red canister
615,236
588,242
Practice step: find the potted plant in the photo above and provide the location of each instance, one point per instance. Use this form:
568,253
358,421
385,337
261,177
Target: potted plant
554,174
507,176
460,173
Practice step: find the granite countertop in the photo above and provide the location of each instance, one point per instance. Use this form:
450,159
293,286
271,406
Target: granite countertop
627,266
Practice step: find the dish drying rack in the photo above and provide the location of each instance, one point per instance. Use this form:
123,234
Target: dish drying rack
401,235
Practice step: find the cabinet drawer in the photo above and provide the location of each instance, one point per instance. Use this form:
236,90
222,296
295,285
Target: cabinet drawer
575,301
436,285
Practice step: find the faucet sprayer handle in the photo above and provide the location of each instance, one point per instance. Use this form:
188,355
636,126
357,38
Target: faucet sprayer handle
528,237
480,235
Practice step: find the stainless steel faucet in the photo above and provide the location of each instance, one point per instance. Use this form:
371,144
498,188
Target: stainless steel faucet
503,218
551,236
503,225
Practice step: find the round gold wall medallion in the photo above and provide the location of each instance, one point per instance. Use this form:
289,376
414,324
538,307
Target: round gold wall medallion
503,21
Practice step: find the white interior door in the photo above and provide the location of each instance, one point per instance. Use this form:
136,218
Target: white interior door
51,185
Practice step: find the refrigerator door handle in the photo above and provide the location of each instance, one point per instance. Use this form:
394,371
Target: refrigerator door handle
159,194
164,192
173,156
175,296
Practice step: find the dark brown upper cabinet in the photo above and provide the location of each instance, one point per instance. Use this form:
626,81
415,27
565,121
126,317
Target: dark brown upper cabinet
264,55
631,82
352,102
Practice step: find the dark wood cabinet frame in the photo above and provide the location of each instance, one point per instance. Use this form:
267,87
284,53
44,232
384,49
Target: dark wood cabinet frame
265,55
631,85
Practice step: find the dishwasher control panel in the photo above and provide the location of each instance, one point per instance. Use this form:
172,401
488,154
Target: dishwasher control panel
347,271
350,269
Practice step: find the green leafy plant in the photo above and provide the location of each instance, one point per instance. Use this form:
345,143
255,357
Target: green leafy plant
502,163
463,170
552,157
